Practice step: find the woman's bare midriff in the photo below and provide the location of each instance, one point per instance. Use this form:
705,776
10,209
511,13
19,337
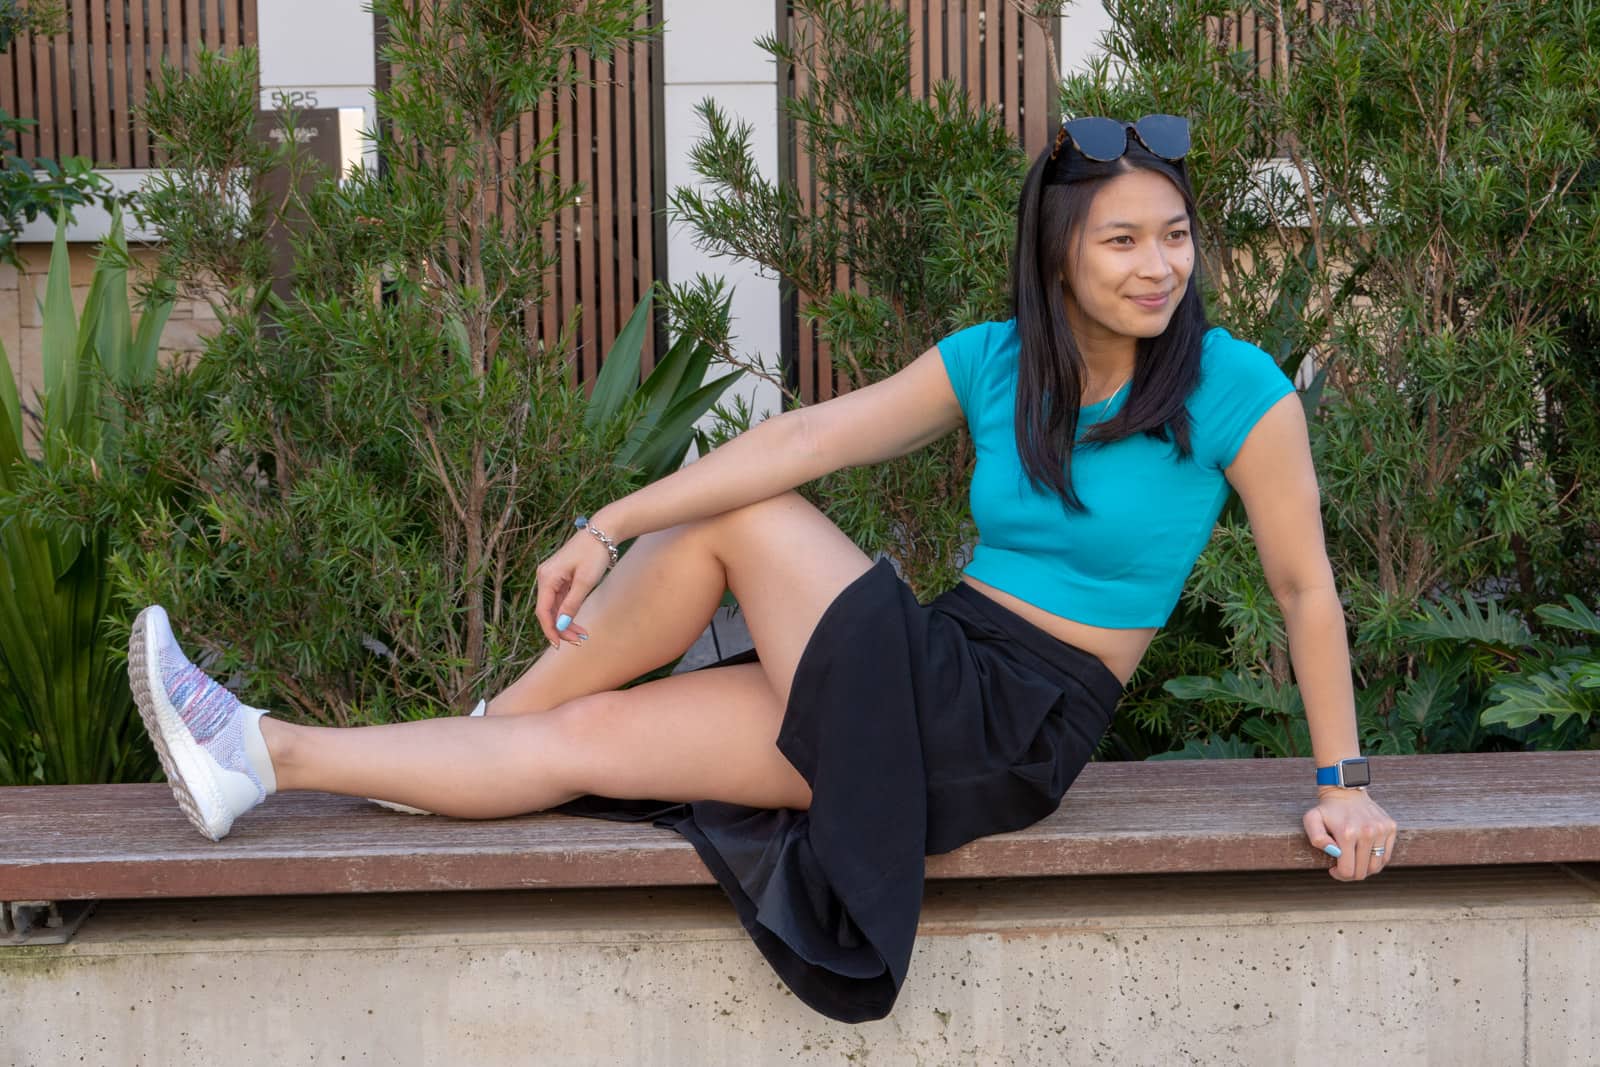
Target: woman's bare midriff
1119,650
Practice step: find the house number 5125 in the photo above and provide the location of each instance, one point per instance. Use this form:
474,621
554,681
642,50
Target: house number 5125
283,99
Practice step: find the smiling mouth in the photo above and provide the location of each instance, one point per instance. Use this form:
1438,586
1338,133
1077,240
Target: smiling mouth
1154,300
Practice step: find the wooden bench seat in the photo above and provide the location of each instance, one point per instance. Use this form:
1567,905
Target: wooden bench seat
130,841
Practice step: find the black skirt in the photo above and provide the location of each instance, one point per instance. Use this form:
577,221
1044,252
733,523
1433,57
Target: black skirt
918,729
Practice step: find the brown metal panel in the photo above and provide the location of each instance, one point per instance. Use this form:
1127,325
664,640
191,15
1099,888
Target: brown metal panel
175,31
972,50
23,51
549,319
805,353
1035,82
566,158
53,86
8,82
72,96
632,203
247,22
604,240
991,51
917,18
137,76
645,84
191,39
160,50
588,240
524,144
122,122
230,24
91,56
1011,69
938,62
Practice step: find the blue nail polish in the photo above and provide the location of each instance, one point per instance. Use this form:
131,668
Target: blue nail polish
1332,850
582,638
562,622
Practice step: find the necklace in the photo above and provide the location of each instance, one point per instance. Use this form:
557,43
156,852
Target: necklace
1107,401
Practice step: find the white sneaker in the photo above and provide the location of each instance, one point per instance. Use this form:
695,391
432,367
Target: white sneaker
209,743
407,809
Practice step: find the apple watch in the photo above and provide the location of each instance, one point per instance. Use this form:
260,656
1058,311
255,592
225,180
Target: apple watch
1347,773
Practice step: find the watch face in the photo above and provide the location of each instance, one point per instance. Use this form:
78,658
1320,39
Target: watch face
1356,772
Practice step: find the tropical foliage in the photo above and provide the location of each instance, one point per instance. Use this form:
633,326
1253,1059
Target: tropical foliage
343,500
66,715
1406,202
918,204
1401,211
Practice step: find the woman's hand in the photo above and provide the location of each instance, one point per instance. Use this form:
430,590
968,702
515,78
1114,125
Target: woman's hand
1355,823
564,580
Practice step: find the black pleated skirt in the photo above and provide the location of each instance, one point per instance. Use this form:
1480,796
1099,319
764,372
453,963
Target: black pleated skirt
918,729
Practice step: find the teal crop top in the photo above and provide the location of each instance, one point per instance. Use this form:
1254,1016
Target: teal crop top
1123,563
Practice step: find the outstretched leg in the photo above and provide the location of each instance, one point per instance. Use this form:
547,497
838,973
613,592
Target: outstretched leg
707,735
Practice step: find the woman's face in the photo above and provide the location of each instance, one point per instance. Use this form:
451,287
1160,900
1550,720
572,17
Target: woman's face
1130,264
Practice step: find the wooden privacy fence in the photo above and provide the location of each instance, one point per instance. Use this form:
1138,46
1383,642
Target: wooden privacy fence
1247,32
612,243
82,85
985,47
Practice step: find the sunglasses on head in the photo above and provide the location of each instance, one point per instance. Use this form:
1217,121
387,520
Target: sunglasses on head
1104,140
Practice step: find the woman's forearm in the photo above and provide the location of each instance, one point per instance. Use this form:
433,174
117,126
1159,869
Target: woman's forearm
771,457
1321,655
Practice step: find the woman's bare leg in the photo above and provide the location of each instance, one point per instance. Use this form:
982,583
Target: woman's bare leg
783,559
707,735
704,735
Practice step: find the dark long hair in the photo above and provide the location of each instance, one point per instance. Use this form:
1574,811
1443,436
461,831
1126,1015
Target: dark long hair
1051,371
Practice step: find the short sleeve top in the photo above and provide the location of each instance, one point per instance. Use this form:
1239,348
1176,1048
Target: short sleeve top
1123,562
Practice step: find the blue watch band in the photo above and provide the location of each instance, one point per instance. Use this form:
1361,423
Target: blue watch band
1359,772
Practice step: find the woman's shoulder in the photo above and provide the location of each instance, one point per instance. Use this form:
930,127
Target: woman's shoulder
980,358
1239,381
1230,365
1221,349
983,336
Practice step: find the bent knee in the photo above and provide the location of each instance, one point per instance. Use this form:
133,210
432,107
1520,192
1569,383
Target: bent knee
581,735
757,518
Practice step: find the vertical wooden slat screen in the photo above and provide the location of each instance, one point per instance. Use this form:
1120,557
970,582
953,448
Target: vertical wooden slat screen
606,244
609,239
83,84
983,46
1244,31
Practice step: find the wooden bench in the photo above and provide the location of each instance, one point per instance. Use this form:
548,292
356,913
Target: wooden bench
130,841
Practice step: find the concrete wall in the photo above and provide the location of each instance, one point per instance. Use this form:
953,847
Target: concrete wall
1458,966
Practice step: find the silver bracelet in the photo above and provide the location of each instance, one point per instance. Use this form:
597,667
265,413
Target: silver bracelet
582,523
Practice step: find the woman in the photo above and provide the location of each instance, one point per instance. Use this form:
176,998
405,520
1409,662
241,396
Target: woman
873,731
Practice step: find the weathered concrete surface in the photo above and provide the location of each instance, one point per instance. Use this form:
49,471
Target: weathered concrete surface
1491,966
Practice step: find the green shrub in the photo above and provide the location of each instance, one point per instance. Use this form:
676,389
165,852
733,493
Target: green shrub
66,715
344,499
919,206
1424,234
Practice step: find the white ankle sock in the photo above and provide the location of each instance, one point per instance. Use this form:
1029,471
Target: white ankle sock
255,748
